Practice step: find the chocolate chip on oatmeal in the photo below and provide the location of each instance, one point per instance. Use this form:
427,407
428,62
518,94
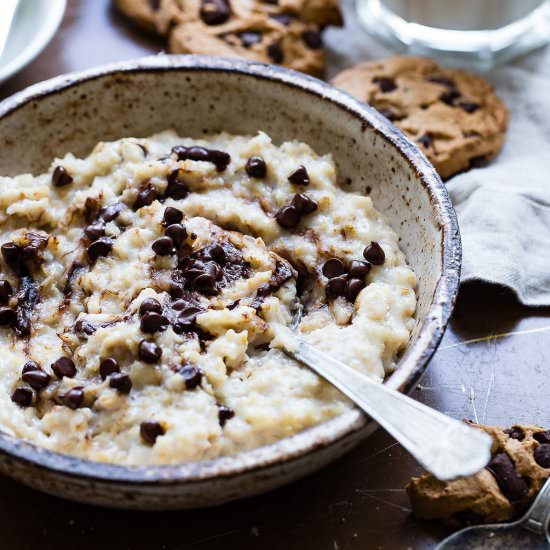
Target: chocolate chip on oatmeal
84,327
450,96
336,287
150,430
6,291
108,366
542,437
205,284
111,211
121,382
61,177
151,322
515,432
172,216
288,217
374,254
304,204
468,106
358,269
177,188
275,52
163,246
425,140
510,483
333,267
186,319
64,366
220,159
192,376
74,398
94,231
249,38
99,248
7,316
256,167
353,288
224,414
150,304
542,455
385,84
300,176
30,366
22,397
214,12
177,233
36,378
214,252
27,298
312,39
11,253
149,352
145,197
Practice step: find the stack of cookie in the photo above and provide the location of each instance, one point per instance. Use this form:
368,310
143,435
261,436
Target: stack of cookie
283,32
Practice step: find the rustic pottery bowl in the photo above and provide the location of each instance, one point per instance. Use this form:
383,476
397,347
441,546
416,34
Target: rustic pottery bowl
199,95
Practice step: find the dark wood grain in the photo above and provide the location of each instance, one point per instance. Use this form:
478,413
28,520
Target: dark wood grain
356,503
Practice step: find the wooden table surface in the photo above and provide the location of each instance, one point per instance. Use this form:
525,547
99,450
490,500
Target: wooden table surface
491,367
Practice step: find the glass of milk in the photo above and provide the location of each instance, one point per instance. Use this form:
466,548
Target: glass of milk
475,33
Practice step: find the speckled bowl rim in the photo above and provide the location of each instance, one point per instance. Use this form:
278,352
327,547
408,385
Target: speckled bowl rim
413,362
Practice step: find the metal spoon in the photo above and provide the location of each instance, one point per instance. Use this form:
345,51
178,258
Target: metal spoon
529,533
444,446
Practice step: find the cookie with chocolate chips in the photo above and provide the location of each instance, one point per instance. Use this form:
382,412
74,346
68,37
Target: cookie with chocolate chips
453,116
519,466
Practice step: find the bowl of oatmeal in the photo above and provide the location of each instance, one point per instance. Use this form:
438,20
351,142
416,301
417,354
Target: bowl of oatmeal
159,219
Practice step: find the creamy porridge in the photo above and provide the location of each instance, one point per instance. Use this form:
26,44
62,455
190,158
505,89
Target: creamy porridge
141,286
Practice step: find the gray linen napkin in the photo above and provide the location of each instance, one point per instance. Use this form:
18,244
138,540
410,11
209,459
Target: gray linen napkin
503,209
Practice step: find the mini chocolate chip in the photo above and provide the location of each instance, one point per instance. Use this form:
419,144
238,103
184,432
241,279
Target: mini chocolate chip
214,252
64,366
312,39
74,398
542,455
6,291
282,18
256,167
186,319
145,197
215,12
151,322
192,376
171,216
177,233
180,304
61,177
510,483
180,151
299,176
224,414
7,316
358,269
515,432
249,38
542,437
11,252
275,52
333,267
353,288
84,327
150,352
205,284
425,140
29,252
150,304
221,159
287,217
94,231
22,397
99,248
150,430
176,188
36,378
450,96
111,211
468,106
336,287
163,246
385,84
374,253
304,204
30,366
108,366
443,80
121,382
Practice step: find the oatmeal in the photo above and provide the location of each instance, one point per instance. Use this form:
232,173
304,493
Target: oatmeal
141,288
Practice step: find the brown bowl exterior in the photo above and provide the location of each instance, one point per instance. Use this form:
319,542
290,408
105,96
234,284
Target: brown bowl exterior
199,95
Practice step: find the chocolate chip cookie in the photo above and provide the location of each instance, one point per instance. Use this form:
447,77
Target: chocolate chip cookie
287,32
453,116
518,468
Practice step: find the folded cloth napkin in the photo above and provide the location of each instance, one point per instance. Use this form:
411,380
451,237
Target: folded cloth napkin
503,209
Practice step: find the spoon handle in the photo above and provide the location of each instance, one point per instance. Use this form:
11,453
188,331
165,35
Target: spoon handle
536,518
444,446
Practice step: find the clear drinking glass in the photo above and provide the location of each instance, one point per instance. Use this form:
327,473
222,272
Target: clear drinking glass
475,33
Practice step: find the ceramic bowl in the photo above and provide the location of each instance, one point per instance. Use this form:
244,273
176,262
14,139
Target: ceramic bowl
199,95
